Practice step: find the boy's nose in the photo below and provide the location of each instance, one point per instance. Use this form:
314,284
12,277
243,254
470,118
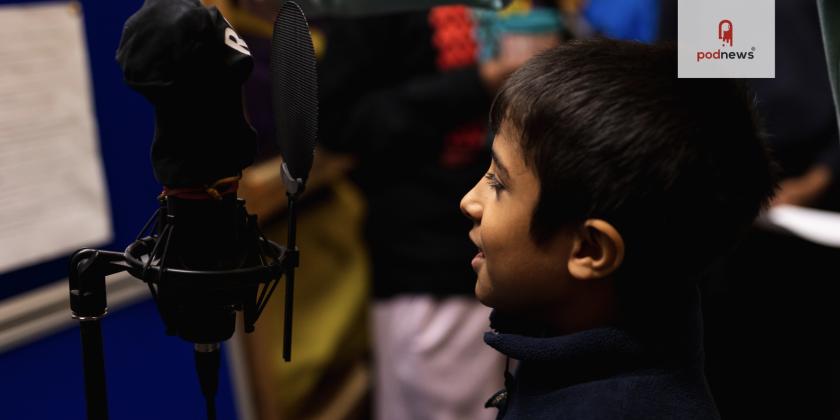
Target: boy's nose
471,207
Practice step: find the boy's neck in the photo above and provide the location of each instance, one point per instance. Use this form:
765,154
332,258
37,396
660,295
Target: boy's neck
589,307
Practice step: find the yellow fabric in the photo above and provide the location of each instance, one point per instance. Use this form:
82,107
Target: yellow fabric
330,310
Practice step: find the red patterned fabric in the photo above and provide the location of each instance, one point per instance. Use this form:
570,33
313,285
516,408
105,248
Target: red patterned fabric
453,35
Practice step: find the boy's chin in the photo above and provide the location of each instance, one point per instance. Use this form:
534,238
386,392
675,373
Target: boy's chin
484,293
506,303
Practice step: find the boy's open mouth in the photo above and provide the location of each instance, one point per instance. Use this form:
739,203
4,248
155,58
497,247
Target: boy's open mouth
478,260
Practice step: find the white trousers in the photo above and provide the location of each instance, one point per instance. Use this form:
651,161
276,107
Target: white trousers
431,362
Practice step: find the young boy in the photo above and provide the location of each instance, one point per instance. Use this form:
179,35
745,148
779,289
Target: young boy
613,186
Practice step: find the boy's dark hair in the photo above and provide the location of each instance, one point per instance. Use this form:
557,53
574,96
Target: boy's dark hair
677,165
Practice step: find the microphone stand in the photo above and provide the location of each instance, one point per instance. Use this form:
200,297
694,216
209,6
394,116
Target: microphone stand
145,259
88,268
294,187
199,305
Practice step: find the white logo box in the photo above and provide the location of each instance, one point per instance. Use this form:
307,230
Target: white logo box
706,28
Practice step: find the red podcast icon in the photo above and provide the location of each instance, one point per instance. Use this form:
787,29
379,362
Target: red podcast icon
725,31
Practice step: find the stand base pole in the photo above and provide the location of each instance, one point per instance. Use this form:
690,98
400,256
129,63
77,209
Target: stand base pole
94,369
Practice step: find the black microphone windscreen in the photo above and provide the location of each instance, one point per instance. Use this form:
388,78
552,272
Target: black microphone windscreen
294,89
190,64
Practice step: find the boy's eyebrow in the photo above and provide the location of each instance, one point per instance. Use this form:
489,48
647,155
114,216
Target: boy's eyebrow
499,165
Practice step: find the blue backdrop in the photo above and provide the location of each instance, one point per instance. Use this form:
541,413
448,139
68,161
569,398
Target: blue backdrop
149,375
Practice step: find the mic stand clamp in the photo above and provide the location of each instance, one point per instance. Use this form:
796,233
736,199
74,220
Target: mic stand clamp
247,288
294,186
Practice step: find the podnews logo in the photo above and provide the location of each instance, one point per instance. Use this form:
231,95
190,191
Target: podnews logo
725,34
726,38
725,31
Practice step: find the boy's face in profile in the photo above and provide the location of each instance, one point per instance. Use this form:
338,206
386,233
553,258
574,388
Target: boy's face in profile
514,273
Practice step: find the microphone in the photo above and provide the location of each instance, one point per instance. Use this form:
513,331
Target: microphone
190,64
201,253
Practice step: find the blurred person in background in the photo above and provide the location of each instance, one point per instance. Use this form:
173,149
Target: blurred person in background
796,106
799,111
770,322
408,95
328,377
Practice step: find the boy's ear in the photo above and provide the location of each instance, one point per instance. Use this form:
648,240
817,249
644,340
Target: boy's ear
597,250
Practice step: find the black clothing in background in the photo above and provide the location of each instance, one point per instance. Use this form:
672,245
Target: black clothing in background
384,100
796,107
771,330
769,309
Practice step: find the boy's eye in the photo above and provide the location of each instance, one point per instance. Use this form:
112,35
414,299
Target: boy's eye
494,182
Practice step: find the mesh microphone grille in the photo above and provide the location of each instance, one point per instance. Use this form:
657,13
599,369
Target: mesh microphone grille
294,89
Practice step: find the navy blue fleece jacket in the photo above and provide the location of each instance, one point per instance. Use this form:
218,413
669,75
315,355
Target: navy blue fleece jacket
606,373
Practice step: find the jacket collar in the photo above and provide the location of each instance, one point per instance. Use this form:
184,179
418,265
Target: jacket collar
675,339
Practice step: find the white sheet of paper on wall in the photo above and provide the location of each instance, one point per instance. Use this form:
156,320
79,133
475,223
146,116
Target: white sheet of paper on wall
53,197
